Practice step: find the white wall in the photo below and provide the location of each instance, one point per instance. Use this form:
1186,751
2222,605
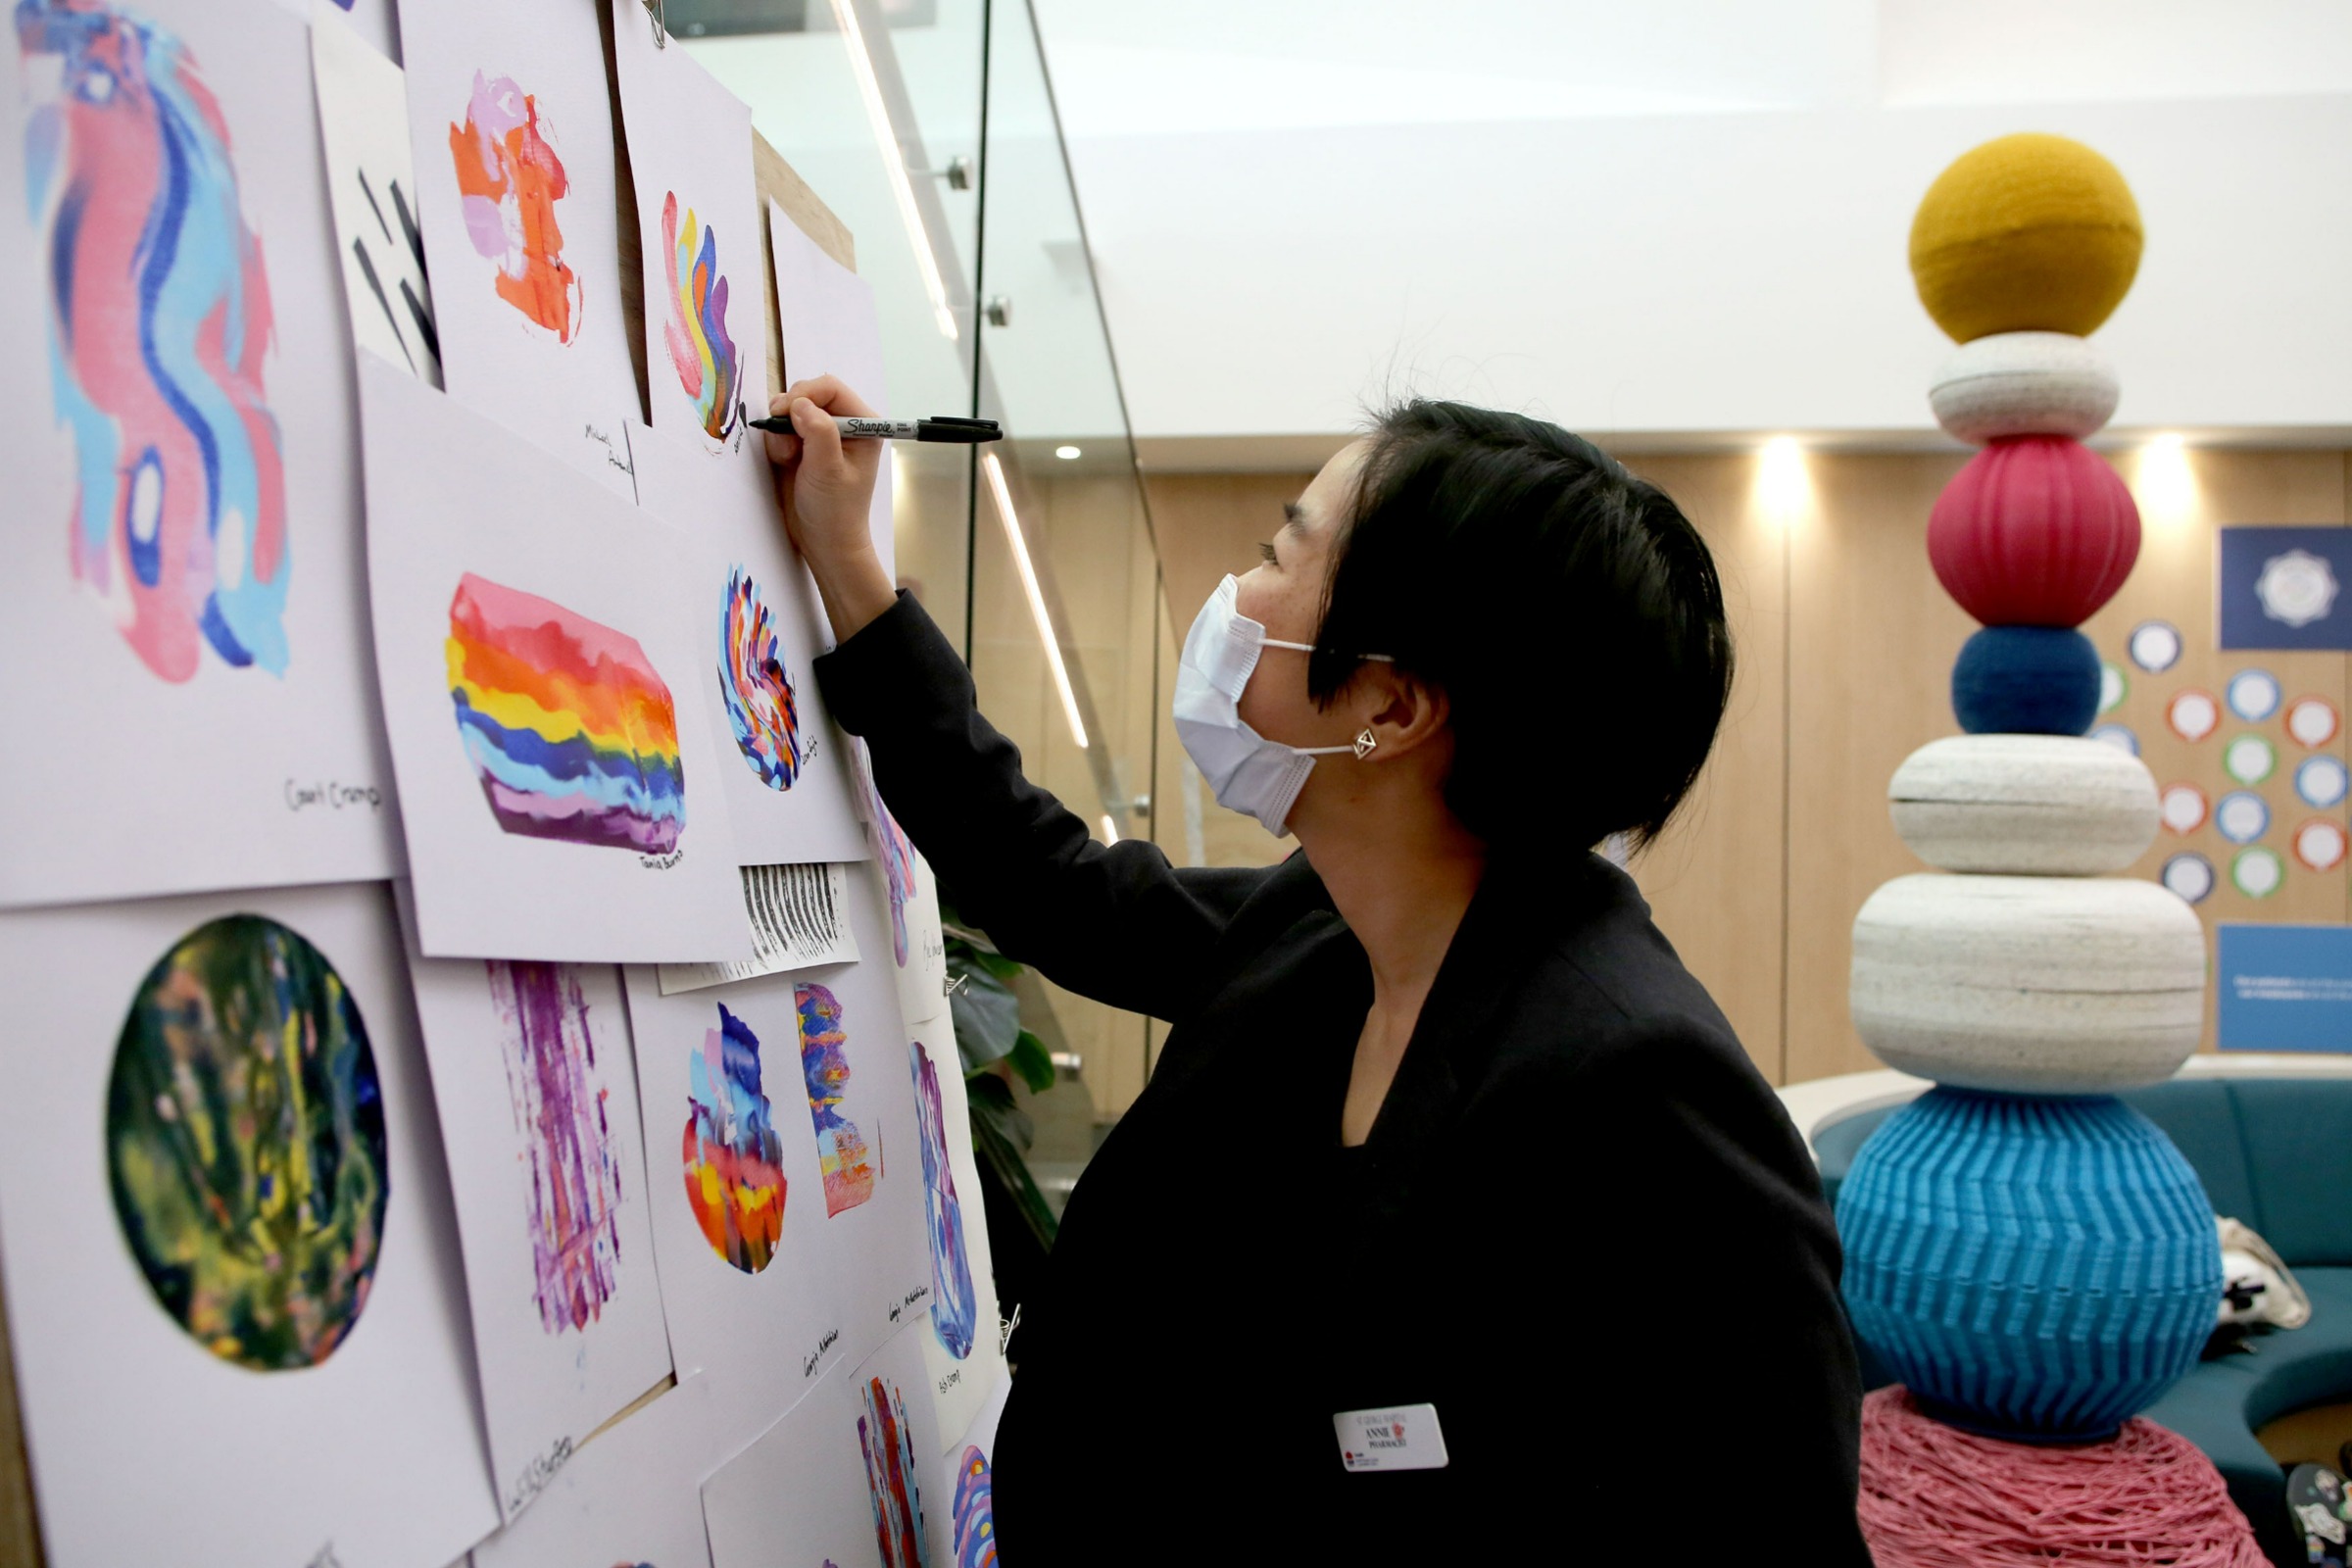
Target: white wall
1684,215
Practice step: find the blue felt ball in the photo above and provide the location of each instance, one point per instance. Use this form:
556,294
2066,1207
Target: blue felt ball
2037,1268
2027,680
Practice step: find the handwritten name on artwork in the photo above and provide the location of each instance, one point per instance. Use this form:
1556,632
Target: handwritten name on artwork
910,1298
662,862
536,1475
808,1362
334,794
951,1380
326,1558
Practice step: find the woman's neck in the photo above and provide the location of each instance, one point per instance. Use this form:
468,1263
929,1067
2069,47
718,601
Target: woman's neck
1403,881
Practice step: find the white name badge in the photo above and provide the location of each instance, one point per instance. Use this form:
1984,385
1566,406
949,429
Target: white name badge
1406,1437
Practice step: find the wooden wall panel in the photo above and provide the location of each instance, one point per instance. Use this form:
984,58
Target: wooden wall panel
1714,881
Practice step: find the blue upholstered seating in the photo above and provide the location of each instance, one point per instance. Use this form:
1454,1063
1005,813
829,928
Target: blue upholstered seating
2275,1152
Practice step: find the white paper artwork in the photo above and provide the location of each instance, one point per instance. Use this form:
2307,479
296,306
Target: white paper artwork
850,1477
919,946
826,316
232,1265
961,1351
374,21
538,1100
968,1479
778,1263
698,220
757,625
799,917
183,622
511,120
632,1497
364,123
545,697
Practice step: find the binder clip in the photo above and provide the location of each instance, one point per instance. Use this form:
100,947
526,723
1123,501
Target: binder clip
657,12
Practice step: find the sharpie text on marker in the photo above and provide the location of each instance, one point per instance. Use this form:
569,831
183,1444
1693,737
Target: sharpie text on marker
943,428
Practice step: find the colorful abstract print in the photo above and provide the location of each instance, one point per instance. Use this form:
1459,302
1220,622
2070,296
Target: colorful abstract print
954,1303
975,1512
842,1157
159,318
567,1154
887,1441
508,181
700,349
734,1159
569,728
757,687
245,1143
891,846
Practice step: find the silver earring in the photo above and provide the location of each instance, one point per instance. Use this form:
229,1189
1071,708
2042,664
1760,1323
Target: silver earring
1364,743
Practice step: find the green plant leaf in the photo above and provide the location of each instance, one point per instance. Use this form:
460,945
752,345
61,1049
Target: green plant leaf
1031,1059
987,1017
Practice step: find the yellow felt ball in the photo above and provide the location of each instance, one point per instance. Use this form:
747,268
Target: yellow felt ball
2026,233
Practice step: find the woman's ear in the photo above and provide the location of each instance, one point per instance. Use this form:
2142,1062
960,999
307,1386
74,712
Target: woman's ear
1402,712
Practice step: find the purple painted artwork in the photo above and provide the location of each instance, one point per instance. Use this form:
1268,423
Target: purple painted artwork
891,846
954,1303
567,1148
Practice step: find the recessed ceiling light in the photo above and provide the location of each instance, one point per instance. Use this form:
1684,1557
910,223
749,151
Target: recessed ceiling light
1067,453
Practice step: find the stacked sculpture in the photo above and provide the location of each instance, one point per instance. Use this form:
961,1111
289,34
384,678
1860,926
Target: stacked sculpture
2030,1256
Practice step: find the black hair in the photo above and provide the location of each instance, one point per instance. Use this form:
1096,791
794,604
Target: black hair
1568,610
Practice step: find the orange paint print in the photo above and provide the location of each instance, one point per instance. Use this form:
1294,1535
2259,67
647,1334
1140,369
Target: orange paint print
508,180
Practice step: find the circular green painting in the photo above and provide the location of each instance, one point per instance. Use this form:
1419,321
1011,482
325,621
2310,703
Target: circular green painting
245,1142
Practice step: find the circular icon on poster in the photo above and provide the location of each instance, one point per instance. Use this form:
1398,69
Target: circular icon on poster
2257,872
2118,736
2241,818
2253,695
2250,759
2183,808
2319,844
2323,781
2192,715
2113,687
2189,877
2311,722
2154,646
2296,588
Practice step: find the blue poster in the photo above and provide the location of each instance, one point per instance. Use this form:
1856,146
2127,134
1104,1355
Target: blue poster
2286,988
2283,588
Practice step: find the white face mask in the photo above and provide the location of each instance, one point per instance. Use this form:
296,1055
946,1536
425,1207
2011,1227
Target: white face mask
1247,772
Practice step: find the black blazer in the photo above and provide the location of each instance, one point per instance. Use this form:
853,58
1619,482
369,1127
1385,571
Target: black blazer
1582,1228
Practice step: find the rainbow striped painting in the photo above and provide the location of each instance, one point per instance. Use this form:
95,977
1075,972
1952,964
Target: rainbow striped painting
570,730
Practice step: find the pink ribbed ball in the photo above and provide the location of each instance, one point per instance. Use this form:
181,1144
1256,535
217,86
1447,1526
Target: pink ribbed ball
2035,531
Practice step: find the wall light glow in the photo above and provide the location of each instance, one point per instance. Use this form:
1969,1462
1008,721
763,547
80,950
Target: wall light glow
2165,485
1784,481
893,163
1002,494
1067,454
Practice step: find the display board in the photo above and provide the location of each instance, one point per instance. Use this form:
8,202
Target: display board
344,1254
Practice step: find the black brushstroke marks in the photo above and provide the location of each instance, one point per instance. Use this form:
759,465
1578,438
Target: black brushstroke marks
420,308
359,249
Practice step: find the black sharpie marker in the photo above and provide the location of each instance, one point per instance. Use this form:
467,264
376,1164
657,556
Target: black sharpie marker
966,431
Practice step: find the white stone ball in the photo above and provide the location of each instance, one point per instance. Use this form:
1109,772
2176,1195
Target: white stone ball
2029,984
2024,383
2024,805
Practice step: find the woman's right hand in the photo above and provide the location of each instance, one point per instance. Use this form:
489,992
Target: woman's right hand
827,489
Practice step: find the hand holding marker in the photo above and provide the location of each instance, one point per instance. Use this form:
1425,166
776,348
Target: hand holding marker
943,428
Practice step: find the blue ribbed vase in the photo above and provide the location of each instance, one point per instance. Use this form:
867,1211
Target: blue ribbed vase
2032,1267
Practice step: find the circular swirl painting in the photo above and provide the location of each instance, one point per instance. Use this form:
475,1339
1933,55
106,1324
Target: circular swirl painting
245,1143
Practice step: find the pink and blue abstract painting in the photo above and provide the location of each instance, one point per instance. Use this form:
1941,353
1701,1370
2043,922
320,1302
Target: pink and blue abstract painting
159,318
954,1303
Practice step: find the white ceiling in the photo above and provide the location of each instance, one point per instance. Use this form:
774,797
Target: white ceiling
1680,215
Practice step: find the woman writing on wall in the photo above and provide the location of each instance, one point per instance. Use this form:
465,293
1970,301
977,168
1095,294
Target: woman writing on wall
1454,1216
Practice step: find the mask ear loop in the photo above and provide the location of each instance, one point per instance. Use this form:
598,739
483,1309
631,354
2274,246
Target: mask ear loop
1365,741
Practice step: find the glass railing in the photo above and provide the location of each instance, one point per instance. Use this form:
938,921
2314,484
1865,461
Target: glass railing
929,127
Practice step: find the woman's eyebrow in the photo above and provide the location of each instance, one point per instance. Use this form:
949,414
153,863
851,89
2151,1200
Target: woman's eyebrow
1294,520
